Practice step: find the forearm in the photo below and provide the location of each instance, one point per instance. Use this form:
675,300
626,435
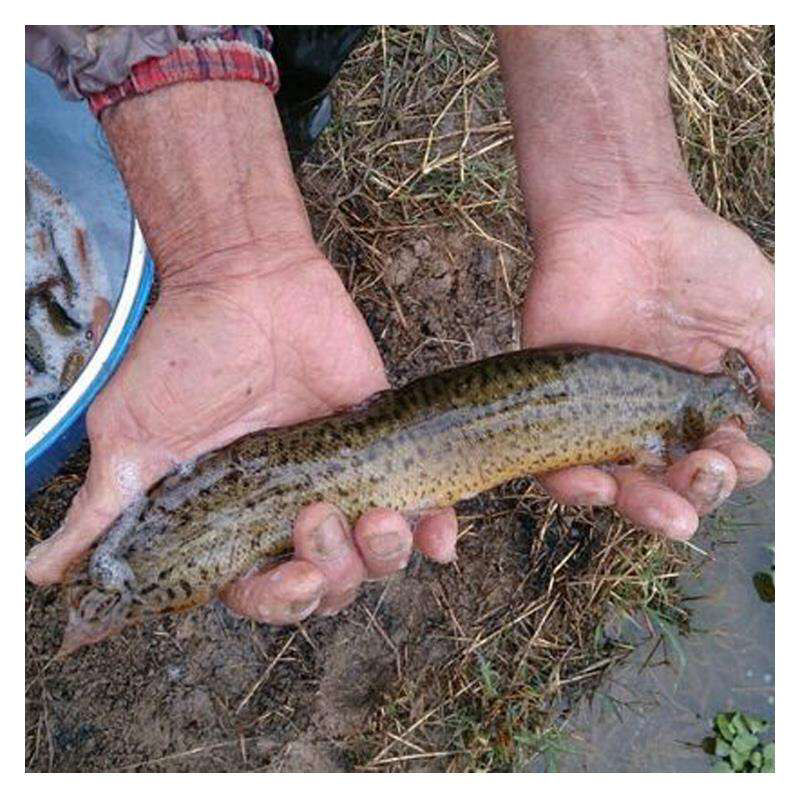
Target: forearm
207,171
593,128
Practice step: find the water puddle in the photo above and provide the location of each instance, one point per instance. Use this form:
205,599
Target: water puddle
652,713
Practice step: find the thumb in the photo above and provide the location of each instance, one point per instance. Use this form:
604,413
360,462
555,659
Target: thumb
761,357
112,482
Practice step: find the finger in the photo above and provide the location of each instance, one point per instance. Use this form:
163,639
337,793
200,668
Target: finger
580,486
705,478
111,484
334,603
384,539
761,357
284,595
653,505
752,463
322,537
436,533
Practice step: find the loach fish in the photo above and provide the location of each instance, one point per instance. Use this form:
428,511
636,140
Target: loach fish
34,348
437,440
60,320
35,409
62,323
71,369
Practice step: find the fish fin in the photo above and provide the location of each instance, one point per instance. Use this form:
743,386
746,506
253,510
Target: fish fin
363,404
649,460
735,365
652,454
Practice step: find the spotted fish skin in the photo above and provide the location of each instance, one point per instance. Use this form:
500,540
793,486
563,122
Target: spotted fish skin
34,348
435,441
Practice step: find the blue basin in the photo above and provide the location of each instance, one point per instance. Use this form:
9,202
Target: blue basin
64,141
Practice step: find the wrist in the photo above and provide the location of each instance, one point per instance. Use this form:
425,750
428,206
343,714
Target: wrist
640,225
220,253
242,270
614,175
208,174
593,128
609,198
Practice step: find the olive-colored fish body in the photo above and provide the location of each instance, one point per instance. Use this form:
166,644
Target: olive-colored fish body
34,348
437,440
37,292
72,368
61,321
35,409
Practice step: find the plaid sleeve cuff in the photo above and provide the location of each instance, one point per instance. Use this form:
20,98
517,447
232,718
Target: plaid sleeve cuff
205,60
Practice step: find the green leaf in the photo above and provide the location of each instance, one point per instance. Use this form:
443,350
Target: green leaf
488,676
670,633
755,724
599,636
737,723
721,766
744,743
721,747
724,727
756,758
769,757
737,761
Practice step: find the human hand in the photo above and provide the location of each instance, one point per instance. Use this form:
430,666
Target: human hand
682,285
265,343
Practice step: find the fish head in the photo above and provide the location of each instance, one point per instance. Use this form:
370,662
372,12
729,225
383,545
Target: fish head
95,612
718,399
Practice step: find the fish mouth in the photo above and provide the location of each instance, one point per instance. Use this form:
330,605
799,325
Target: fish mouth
93,613
78,632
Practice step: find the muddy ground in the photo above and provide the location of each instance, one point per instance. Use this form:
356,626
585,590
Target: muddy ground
443,667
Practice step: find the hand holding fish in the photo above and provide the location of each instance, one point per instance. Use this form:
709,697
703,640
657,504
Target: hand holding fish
198,402
214,362
255,331
626,254
683,286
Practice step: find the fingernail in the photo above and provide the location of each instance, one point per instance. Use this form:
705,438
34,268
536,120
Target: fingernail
36,552
679,529
330,539
387,545
302,607
592,499
300,611
707,485
287,613
41,549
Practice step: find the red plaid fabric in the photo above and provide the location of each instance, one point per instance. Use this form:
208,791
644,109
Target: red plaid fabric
205,60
